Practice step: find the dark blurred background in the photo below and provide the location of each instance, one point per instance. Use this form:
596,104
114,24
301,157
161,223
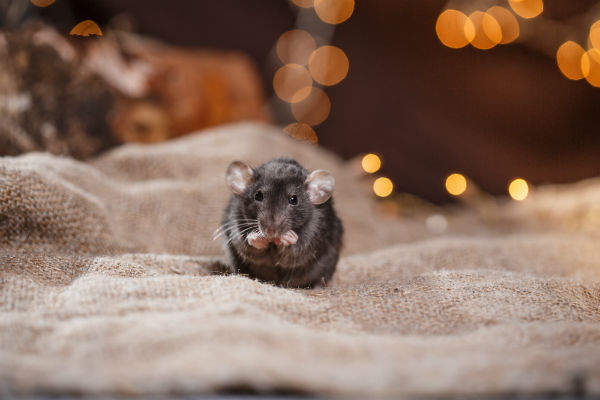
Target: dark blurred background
428,110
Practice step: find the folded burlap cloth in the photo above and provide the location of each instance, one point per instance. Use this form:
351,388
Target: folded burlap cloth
106,288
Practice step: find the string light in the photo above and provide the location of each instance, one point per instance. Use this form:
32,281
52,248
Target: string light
304,62
590,67
568,58
594,36
328,65
454,29
334,11
508,23
383,186
313,109
371,163
295,47
292,83
527,8
487,30
86,28
456,184
518,189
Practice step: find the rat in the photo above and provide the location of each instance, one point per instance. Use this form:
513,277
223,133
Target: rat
280,225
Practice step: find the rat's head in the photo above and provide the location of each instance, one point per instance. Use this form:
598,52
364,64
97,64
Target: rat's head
280,194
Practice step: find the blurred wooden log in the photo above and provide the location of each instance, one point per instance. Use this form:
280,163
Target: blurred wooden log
80,96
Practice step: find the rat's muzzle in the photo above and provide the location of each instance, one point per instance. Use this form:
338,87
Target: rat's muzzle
272,228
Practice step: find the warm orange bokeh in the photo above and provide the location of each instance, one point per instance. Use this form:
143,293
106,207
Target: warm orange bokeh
568,58
383,186
590,67
292,83
295,47
334,11
454,29
314,109
371,163
508,23
487,30
456,184
527,8
518,189
86,28
328,65
594,39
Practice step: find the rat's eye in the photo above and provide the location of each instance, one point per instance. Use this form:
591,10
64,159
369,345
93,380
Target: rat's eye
293,200
258,196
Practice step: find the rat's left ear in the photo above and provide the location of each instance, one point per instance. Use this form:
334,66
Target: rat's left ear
239,177
319,185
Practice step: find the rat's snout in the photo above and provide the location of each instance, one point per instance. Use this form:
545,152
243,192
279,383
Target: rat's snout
272,226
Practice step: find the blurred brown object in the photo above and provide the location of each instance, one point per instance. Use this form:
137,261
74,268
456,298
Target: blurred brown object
186,90
79,96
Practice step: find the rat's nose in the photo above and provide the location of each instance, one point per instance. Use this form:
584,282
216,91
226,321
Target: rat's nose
272,227
270,231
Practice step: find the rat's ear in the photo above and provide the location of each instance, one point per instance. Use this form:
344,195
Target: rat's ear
319,185
239,176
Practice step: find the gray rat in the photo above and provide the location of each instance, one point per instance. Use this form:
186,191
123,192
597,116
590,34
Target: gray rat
280,225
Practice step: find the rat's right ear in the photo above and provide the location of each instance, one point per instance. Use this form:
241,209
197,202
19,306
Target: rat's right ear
239,176
319,186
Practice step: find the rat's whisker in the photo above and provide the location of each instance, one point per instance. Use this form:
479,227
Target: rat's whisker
231,225
239,233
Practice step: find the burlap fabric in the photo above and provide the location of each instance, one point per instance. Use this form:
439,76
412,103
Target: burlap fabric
106,288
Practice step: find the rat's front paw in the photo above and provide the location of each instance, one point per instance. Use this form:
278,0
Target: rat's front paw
289,238
257,240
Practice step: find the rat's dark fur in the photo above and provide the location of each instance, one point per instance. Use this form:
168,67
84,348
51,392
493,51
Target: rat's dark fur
308,262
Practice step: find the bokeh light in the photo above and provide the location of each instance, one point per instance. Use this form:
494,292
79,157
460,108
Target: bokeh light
594,41
456,184
518,189
487,30
302,132
508,23
86,28
42,3
292,83
454,29
303,3
527,8
568,58
371,163
590,67
313,109
328,65
334,11
383,186
594,37
295,47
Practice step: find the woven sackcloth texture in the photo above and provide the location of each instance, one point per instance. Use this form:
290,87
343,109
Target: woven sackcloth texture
106,286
